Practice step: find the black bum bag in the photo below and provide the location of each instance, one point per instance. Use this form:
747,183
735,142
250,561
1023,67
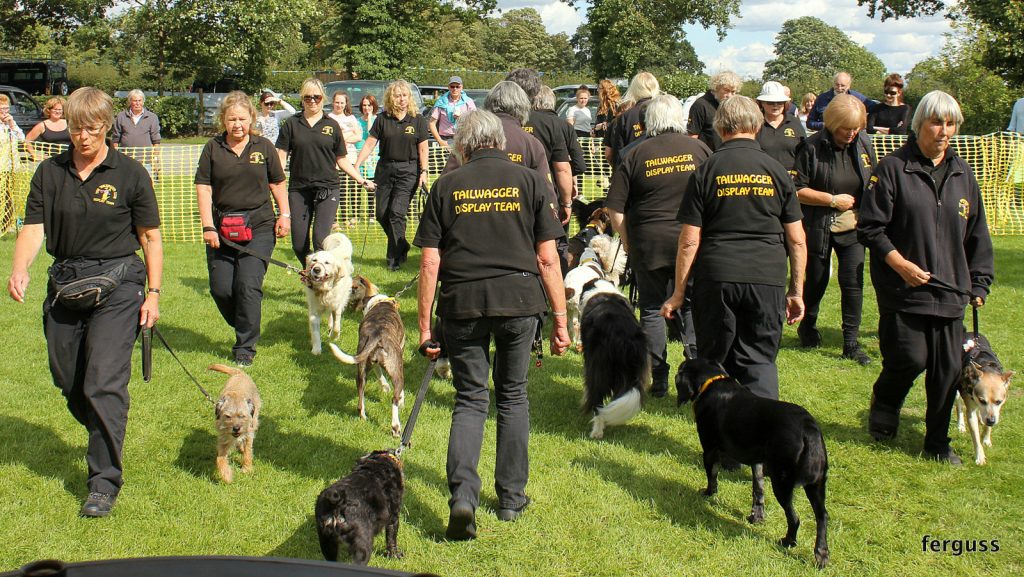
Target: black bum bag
84,284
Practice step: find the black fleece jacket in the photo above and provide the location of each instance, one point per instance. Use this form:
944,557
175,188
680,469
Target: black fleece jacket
940,227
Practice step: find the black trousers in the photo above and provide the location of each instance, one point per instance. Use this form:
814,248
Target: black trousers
396,182
236,285
654,287
740,326
851,285
316,207
469,343
912,344
90,357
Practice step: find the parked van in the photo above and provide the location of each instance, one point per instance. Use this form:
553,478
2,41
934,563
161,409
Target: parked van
35,75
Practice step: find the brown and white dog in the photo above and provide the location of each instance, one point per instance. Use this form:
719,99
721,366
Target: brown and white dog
604,259
593,219
238,417
328,280
381,343
983,389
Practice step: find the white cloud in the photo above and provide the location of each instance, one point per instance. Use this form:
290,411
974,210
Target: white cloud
559,17
747,60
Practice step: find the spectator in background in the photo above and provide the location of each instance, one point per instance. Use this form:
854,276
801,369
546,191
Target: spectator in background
781,132
8,127
448,107
368,109
578,115
892,116
1017,117
268,120
833,172
806,105
341,112
53,129
791,107
721,87
607,106
840,85
136,126
629,125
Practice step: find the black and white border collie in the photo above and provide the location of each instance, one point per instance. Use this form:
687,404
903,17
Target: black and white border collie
616,361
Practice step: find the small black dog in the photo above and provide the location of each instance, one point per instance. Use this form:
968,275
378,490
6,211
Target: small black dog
775,438
355,509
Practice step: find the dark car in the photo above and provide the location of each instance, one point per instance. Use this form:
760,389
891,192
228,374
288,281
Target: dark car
25,110
35,75
569,90
357,89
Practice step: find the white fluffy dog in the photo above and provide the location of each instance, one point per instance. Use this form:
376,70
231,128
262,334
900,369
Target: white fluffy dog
328,279
611,255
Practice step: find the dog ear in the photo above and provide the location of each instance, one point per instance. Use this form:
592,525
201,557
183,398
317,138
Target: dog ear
972,371
219,407
1006,378
252,407
569,292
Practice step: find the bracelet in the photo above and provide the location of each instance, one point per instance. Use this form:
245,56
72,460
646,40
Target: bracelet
832,203
209,229
285,215
423,170
155,291
559,314
565,205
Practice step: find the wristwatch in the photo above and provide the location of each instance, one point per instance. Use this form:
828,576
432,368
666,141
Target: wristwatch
832,203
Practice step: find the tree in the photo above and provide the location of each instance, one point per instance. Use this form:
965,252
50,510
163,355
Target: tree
18,27
810,52
627,36
1000,27
518,39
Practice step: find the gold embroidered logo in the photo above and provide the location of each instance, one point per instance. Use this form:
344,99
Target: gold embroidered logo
328,130
865,159
105,194
528,129
257,158
789,133
410,130
965,208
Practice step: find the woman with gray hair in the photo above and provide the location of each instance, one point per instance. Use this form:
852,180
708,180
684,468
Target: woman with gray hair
740,220
642,201
488,232
924,222
721,87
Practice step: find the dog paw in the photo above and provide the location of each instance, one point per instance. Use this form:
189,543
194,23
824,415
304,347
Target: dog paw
396,431
980,460
987,442
756,517
316,351
962,428
709,492
394,553
579,347
787,543
597,434
227,478
821,559
247,469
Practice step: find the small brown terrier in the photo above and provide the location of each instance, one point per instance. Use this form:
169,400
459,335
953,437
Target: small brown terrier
238,417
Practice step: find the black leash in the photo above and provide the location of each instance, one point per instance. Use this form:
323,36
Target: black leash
160,336
938,283
420,395
266,259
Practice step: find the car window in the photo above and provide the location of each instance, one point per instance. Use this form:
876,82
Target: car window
22,104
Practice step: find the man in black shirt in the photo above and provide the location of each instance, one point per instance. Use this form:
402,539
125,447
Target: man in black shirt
487,234
644,198
722,86
740,219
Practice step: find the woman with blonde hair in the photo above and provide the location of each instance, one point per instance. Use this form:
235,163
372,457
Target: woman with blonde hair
629,125
402,168
317,150
806,105
226,187
833,169
53,129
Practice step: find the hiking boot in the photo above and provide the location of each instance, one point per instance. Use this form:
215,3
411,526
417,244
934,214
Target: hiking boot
513,514
98,505
461,522
854,352
946,456
810,337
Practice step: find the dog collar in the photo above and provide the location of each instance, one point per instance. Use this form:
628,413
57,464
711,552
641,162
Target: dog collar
708,382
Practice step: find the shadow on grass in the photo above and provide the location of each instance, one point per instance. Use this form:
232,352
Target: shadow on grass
199,285
909,438
44,453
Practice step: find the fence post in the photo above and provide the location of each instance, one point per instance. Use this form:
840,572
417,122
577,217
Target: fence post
201,112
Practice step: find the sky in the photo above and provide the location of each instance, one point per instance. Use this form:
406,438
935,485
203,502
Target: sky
900,44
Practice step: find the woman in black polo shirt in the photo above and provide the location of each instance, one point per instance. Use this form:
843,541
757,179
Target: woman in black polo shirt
236,170
317,146
95,208
402,167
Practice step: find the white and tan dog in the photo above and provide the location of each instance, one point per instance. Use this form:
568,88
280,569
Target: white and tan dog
611,255
982,391
328,280
238,417
381,343
588,270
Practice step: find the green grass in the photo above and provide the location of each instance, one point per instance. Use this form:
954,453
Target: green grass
628,505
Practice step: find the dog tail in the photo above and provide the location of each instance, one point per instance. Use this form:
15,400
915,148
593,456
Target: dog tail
813,460
337,239
342,355
619,366
226,369
622,409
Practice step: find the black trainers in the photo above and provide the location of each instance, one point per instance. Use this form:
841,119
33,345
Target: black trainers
461,522
98,505
512,514
946,456
854,352
244,360
809,337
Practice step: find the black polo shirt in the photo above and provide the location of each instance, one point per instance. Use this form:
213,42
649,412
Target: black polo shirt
780,143
627,128
486,219
546,127
315,151
241,182
399,139
96,218
648,187
740,198
702,116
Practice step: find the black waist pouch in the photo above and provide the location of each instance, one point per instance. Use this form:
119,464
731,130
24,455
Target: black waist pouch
84,284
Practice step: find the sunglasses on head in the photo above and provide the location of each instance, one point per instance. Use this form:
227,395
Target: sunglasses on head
312,98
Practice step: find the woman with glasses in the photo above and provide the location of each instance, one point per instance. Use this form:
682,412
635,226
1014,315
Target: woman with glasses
94,208
268,120
892,116
317,150
402,167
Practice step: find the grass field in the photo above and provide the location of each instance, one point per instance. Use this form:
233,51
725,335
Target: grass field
627,505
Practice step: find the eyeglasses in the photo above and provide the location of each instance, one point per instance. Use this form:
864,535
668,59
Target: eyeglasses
92,130
892,92
313,98
454,86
